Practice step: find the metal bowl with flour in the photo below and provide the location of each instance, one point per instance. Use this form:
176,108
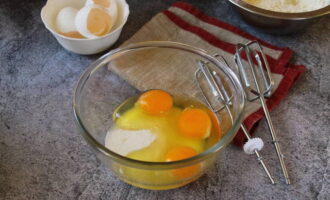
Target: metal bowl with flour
278,22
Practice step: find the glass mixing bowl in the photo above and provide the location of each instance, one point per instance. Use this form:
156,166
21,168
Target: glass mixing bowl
100,90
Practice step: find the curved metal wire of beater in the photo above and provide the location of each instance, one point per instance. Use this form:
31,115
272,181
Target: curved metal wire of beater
261,61
259,86
220,93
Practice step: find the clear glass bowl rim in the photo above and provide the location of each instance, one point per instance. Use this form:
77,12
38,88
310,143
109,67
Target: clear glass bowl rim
224,141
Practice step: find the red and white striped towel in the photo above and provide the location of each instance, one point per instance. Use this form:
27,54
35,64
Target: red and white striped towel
184,23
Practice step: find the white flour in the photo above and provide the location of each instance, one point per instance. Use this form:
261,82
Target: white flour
124,142
290,6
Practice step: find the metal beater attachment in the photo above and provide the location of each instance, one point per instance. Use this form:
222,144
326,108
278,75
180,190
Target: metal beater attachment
257,82
223,102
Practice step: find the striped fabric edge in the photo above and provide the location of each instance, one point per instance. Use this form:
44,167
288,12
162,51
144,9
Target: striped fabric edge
221,33
276,65
211,20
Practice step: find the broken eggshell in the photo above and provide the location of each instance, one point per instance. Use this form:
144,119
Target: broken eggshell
83,46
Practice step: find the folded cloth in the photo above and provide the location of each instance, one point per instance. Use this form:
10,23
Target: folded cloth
184,23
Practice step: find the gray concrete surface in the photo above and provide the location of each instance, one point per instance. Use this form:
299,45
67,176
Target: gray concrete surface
42,155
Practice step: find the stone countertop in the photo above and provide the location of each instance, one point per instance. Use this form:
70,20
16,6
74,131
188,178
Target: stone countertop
42,155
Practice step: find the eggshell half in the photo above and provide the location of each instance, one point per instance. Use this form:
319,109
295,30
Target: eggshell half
110,5
65,20
83,24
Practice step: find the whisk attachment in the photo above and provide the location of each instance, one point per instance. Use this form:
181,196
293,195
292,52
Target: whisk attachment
257,82
224,101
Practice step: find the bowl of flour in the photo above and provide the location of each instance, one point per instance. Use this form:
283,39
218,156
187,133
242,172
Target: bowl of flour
281,16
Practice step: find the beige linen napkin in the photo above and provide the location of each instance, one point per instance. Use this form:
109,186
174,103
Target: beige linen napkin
183,23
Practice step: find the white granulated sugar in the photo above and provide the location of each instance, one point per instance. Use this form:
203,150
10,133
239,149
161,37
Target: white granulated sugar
290,6
124,142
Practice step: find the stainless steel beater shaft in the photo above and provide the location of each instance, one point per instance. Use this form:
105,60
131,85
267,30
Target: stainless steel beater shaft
275,141
260,159
224,97
258,91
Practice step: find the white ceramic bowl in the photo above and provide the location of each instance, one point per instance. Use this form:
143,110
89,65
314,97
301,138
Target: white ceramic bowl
83,46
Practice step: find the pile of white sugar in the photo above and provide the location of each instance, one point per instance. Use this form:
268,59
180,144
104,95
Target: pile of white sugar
289,6
124,142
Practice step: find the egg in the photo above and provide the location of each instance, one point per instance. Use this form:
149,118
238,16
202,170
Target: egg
65,20
110,5
195,123
180,153
155,102
93,21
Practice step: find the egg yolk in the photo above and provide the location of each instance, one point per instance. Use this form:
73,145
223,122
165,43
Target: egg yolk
155,102
104,3
98,22
180,153
215,125
73,34
195,123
